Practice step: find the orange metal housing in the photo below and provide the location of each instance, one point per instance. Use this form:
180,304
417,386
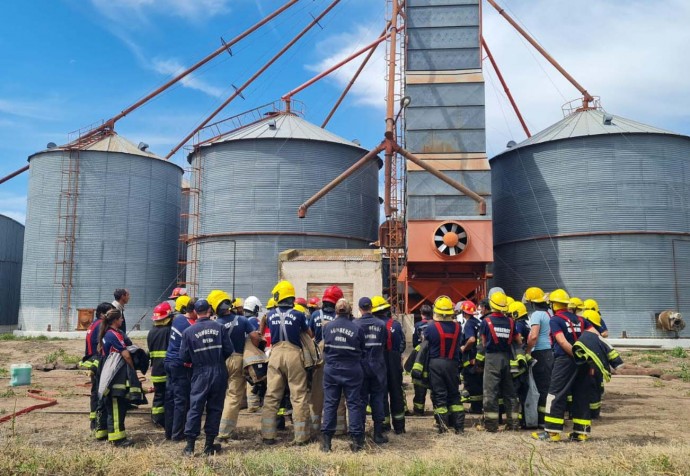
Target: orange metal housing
429,274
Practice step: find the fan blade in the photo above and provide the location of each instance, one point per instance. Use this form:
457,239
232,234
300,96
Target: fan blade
438,238
442,248
461,246
462,235
454,227
443,229
452,251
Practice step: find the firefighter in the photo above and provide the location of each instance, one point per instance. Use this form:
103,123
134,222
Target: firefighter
91,362
592,305
157,342
285,366
374,365
575,306
472,378
518,312
343,351
331,295
239,328
252,308
111,341
313,305
419,328
594,318
497,333
395,346
207,345
178,374
444,337
539,345
566,377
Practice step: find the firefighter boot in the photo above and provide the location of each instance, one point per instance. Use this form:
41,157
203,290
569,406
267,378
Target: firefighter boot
357,443
442,422
379,437
209,448
399,426
457,421
326,442
189,449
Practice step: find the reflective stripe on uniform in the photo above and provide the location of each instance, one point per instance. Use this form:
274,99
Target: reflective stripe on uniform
158,378
578,421
440,410
480,357
491,415
557,421
210,347
157,354
92,415
457,408
116,434
418,406
157,410
100,434
595,406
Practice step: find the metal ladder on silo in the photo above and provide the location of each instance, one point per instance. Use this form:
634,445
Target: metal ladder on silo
66,234
190,236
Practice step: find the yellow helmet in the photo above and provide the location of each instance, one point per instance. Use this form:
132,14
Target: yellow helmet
271,303
510,300
516,310
216,297
560,296
534,294
443,306
590,304
378,303
575,303
181,302
592,316
498,302
237,303
283,290
300,308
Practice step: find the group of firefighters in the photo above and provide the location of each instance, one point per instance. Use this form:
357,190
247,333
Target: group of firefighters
318,363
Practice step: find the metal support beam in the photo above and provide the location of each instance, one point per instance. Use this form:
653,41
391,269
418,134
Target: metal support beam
13,174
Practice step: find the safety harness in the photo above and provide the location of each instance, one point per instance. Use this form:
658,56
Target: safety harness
571,326
494,336
443,336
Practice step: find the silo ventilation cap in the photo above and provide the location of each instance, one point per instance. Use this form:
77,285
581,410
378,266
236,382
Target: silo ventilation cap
511,144
143,146
51,145
608,119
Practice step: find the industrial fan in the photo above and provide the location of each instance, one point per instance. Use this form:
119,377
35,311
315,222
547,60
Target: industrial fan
450,239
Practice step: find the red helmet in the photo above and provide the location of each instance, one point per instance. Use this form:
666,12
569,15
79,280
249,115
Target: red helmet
468,307
177,292
161,311
332,294
301,301
313,302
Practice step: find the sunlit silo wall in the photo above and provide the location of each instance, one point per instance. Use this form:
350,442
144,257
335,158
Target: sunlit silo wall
127,232
253,181
11,244
602,211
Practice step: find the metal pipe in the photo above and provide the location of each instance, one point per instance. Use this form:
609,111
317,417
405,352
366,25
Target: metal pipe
286,97
441,176
13,174
302,210
199,64
505,88
390,111
239,90
211,236
587,97
595,233
352,81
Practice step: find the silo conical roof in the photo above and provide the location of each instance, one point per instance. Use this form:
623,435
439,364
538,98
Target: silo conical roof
112,142
282,126
590,122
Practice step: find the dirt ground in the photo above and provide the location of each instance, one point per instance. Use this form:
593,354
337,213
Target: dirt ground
643,430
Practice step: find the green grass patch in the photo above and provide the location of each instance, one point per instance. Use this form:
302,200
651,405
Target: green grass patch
61,355
4,373
679,353
10,336
7,393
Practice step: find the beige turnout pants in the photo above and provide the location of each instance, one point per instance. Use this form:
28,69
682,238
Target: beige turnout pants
233,395
285,366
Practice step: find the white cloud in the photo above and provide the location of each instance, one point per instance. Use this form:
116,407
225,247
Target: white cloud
13,206
370,88
172,67
131,12
40,110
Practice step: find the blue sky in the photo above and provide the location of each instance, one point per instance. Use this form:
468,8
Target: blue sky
65,64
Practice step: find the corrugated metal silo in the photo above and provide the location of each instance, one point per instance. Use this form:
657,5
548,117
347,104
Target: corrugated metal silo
11,245
599,205
98,219
252,182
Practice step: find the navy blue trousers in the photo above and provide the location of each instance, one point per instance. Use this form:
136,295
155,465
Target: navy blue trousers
178,386
208,392
374,389
339,377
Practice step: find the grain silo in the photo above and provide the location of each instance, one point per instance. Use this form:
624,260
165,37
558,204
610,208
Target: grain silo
599,205
100,218
252,180
11,244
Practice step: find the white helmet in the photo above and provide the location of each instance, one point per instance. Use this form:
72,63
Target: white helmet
252,304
